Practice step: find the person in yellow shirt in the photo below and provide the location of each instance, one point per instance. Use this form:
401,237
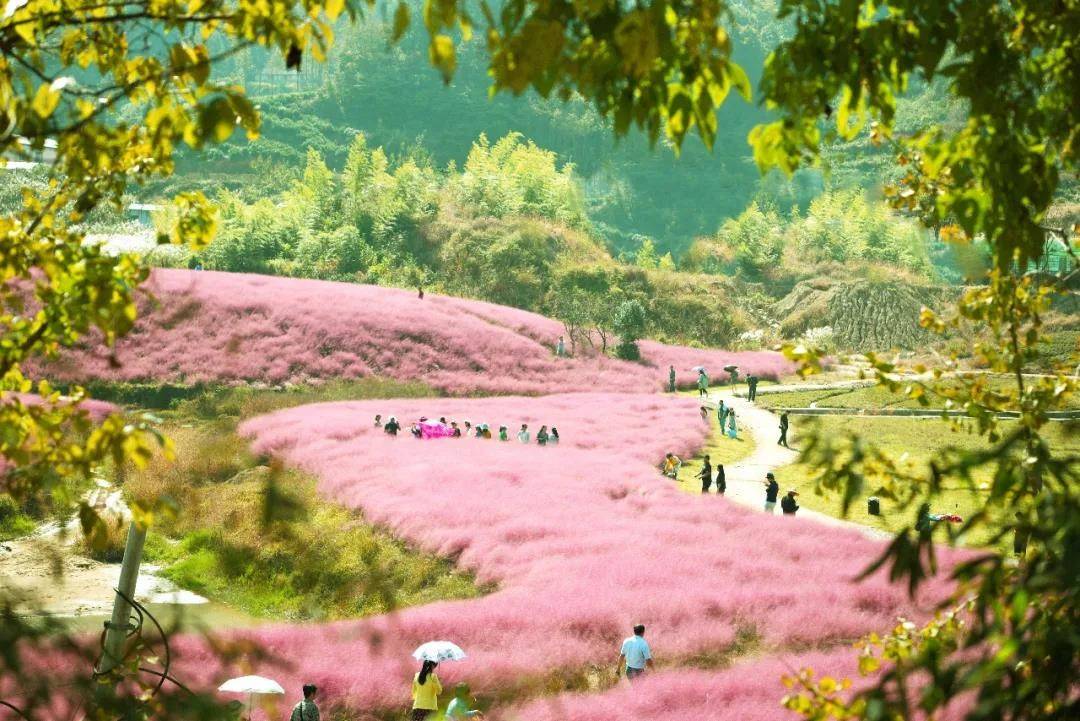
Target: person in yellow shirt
670,466
425,692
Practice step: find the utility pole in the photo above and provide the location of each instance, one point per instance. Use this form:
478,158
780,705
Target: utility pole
116,629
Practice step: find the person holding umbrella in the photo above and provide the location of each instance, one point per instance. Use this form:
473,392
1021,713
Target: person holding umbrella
252,686
425,691
426,687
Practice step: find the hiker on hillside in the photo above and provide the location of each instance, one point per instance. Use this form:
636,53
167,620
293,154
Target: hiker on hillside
560,348
305,709
542,436
772,489
783,430
721,479
670,466
425,692
458,708
523,434
706,476
671,379
732,433
702,383
392,426
553,440
635,654
788,504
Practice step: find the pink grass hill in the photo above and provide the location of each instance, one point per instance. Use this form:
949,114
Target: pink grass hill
232,328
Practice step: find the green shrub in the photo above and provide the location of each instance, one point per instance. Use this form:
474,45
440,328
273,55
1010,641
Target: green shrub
628,351
14,521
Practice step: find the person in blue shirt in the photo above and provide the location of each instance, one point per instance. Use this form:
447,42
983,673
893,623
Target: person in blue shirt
458,708
635,654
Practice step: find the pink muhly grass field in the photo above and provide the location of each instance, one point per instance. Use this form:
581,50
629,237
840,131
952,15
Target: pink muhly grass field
225,327
582,539
746,692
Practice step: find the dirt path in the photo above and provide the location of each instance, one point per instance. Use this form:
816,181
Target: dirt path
746,478
50,569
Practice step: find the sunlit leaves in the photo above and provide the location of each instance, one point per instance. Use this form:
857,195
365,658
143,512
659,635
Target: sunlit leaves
401,21
1011,63
54,287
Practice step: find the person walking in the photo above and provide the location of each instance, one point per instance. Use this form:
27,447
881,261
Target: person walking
732,433
751,387
671,379
458,708
783,430
305,709
706,476
392,426
553,439
702,383
560,347
721,414
503,434
425,692
523,434
772,489
721,479
542,436
635,654
788,504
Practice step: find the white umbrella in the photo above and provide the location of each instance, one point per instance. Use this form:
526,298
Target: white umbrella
439,651
251,685
698,369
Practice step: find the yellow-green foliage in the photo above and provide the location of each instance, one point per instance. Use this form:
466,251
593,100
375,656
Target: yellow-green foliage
913,443
838,227
259,537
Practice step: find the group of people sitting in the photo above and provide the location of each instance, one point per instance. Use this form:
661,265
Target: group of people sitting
441,428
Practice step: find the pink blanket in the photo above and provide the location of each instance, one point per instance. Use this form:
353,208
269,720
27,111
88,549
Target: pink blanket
429,429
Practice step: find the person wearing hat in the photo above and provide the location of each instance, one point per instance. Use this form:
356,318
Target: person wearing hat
788,504
772,490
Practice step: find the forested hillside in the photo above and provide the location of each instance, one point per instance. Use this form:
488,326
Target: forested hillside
369,169
630,190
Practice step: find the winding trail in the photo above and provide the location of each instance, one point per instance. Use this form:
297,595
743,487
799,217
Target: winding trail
745,478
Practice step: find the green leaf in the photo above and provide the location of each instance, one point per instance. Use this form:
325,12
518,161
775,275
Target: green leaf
442,56
402,19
